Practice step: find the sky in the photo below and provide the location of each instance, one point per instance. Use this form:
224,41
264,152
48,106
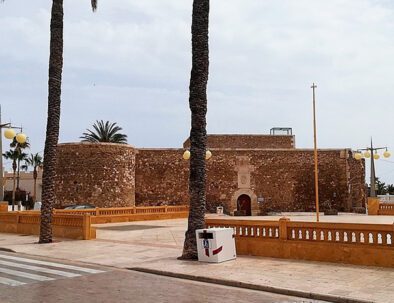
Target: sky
130,63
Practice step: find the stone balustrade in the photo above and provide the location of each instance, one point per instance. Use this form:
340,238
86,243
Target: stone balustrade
362,244
377,207
386,209
126,214
63,225
77,223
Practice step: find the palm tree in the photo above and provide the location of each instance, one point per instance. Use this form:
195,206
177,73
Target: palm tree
104,132
198,133
19,147
36,162
12,155
53,120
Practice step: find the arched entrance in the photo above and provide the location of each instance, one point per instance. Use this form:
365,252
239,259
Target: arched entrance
244,204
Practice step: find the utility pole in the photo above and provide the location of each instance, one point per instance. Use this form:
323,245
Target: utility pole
373,177
314,86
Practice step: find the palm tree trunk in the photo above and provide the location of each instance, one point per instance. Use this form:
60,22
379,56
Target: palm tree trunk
13,189
198,134
35,185
52,130
18,176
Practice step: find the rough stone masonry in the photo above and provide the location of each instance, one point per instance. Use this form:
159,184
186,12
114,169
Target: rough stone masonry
266,171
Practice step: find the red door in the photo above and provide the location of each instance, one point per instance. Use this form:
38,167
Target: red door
244,205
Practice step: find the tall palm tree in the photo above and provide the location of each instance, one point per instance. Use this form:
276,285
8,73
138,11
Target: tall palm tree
12,155
53,120
35,161
104,132
198,133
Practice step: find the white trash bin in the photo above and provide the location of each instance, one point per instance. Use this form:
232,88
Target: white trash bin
215,245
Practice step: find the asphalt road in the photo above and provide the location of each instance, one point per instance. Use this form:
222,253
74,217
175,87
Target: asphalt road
25,279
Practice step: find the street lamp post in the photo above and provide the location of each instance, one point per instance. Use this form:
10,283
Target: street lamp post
371,152
9,134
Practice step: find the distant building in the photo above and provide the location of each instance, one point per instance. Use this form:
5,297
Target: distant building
254,174
26,183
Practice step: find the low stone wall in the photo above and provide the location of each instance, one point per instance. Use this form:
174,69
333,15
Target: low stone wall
77,224
130,214
376,207
360,244
64,226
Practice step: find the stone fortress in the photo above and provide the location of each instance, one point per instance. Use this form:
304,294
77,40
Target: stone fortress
254,174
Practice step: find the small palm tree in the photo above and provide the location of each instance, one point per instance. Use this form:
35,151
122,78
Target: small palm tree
36,162
104,132
19,147
12,155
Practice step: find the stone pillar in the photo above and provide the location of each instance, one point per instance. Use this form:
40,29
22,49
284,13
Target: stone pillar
283,228
3,206
373,206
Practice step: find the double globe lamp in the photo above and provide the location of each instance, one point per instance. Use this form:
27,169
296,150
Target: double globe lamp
10,134
186,155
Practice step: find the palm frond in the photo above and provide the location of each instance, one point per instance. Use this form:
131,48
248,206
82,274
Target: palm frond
11,155
15,144
104,132
34,160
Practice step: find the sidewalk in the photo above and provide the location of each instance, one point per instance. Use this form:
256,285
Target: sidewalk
155,245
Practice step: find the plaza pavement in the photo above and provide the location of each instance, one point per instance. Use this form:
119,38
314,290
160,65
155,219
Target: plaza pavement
154,246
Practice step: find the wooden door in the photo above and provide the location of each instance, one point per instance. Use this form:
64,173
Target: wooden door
244,204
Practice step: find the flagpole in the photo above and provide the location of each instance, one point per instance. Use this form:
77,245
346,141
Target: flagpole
315,154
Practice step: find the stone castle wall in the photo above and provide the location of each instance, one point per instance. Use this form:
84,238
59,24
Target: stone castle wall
161,177
112,175
357,186
99,174
247,141
280,180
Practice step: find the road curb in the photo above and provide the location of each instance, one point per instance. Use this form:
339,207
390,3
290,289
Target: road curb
271,289
7,250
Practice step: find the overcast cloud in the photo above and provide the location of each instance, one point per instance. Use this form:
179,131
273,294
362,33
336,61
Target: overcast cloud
130,62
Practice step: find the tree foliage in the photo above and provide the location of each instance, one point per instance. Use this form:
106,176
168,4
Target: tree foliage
383,189
104,132
33,160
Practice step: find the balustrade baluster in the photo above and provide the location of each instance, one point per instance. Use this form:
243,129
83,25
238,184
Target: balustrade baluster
339,236
380,238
